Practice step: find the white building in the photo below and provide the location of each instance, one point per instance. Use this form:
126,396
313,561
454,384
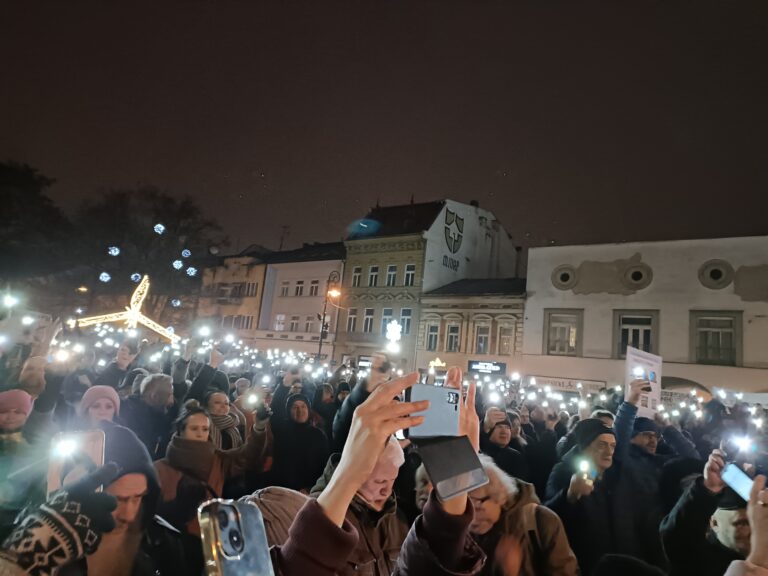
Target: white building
701,304
396,253
295,286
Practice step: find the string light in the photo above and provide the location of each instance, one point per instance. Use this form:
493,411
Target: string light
136,277
191,271
104,277
159,228
178,264
186,253
113,251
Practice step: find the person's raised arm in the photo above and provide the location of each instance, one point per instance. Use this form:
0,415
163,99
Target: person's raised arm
625,418
373,422
757,511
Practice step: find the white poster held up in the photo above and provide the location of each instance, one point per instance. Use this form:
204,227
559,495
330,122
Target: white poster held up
646,366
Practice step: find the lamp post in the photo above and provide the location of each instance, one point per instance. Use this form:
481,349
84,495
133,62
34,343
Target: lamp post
331,291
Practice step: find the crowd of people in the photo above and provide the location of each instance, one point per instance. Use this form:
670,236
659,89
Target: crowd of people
596,490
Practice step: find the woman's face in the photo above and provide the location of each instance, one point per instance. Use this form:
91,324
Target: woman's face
218,404
197,428
12,419
515,428
102,409
524,417
487,511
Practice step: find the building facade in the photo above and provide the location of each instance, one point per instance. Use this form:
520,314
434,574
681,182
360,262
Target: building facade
700,304
230,296
295,288
474,324
396,253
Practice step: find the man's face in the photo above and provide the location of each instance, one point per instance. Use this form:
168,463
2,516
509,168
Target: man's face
516,428
501,435
162,395
378,488
648,441
12,419
732,529
129,491
299,412
218,404
124,356
601,451
524,416
487,511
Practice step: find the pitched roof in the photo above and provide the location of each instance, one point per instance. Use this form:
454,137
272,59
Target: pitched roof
396,220
307,253
482,287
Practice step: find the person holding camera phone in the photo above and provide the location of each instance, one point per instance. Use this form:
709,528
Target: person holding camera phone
709,527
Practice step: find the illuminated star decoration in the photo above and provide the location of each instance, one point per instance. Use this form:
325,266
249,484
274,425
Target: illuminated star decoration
132,315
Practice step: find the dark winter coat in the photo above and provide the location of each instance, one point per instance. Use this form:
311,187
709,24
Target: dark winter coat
381,534
343,420
685,533
508,459
112,376
299,455
152,426
622,514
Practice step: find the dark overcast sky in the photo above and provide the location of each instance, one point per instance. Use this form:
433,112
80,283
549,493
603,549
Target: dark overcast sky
572,121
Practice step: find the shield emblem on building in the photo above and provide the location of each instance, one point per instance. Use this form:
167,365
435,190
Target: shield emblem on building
453,237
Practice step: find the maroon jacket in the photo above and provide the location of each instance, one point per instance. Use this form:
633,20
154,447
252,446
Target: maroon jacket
438,544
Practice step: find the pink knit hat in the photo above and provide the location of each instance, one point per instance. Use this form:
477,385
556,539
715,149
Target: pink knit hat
16,399
95,393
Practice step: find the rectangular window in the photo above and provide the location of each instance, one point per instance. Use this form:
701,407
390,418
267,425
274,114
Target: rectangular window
562,332
227,321
299,290
433,333
482,339
251,289
280,322
716,337
391,275
285,288
368,321
386,318
249,322
314,287
636,328
506,340
357,272
294,324
373,276
309,325
405,320
410,274
452,338
352,320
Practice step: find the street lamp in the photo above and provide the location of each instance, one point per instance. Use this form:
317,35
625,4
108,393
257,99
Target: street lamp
331,291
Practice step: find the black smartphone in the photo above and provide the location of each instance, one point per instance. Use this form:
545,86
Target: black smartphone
452,465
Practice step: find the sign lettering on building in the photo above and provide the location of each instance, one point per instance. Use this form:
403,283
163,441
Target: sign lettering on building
498,368
568,384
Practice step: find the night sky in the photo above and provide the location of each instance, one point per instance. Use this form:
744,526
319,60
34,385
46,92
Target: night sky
572,121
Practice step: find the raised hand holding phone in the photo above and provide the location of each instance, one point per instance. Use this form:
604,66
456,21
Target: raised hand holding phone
492,417
713,480
373,423
757,512
379,373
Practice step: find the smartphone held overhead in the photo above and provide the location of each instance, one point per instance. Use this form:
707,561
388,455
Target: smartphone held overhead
442,416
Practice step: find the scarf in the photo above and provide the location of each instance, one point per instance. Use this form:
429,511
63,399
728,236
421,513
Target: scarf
224,432
191,457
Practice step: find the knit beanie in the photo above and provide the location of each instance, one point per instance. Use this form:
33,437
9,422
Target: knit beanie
645,425
588,430
343,387
16,400
95,393
293,398
125,449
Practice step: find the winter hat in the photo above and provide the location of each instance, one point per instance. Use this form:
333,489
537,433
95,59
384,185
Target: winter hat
125,449
220,381
587,430
293,398
95,393
645,425
16,400
343,387
729,500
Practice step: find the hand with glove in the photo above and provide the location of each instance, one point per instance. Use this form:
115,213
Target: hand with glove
66,528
